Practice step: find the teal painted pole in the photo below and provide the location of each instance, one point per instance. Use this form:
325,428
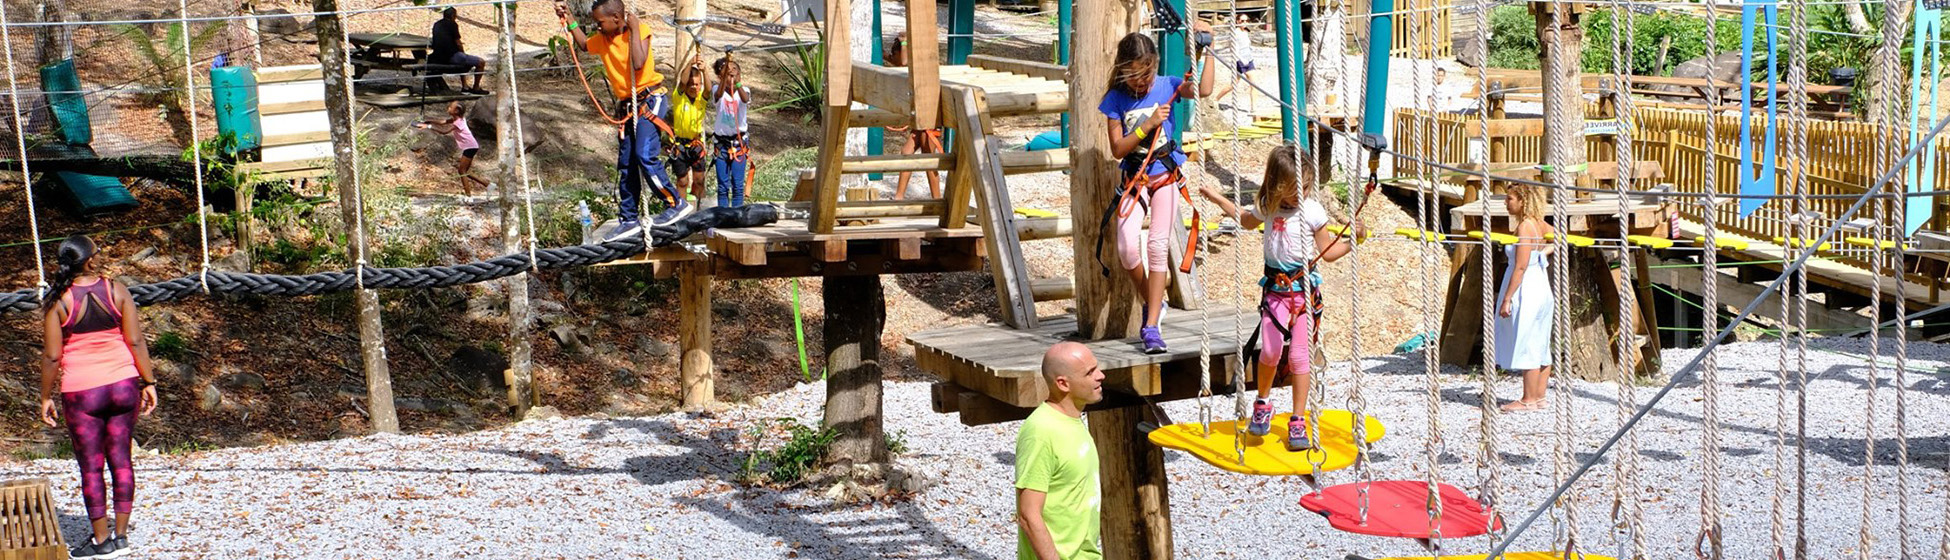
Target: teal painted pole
1063,57
961,28
1293,73
877,137
1381,40
1173,62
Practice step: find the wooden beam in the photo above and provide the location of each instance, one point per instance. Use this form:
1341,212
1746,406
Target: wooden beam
1031,229
876,118
832,145
907,248
1136,500
858,263
879,86
829,250
1027,68
980,161
1018,161
960,182
1053,289
944,397
748,254
296,138
924,63
694,338
287,108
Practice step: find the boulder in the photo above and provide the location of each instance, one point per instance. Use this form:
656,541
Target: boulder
209,398
244,381
279,21
652,347
1728,71
479,369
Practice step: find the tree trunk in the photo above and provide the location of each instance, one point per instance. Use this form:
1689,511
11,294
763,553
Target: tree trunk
1590,353
55,41
1107,306
1136,498
1560,40
508,141
688,13
338,101
1858,20
856,312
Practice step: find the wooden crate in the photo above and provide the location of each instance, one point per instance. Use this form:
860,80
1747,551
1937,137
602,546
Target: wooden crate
29,529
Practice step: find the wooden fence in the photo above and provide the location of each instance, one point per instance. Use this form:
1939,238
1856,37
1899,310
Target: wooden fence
1840,161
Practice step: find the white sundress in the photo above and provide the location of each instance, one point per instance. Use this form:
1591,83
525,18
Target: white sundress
1523,339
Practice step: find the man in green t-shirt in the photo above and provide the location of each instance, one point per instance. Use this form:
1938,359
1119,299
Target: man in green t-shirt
1057,498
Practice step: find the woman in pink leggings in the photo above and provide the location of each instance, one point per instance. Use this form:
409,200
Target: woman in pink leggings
95,352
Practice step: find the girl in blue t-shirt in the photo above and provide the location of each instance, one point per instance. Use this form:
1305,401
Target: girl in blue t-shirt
1139,107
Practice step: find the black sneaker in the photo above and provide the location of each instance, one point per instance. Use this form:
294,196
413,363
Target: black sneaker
92,549
121,545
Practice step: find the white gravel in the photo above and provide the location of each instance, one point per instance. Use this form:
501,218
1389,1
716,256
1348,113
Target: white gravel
656,487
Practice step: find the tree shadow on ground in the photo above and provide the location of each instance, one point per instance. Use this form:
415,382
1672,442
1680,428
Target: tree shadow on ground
907,534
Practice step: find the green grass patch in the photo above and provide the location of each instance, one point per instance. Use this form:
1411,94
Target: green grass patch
779,175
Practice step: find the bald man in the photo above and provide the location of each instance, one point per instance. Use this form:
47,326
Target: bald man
1057,499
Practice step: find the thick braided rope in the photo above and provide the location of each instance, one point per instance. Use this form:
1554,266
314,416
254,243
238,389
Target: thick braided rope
1885,141
27,176
1204,317
1628,510
240,283
1561,459
196,141
1357,402
1708,544
1241,404
1899,12
1794,326
1488,463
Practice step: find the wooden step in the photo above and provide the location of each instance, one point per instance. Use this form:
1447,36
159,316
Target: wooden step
1053,289
297,73
1031,229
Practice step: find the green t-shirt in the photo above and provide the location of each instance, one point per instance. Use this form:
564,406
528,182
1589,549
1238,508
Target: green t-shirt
1055,456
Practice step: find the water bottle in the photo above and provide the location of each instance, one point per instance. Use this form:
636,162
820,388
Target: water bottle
582,216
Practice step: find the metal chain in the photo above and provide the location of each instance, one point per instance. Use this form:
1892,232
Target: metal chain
1560,258
1357,402
1708,545
1423,139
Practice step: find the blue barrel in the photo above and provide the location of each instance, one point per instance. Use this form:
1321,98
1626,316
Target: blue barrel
233,89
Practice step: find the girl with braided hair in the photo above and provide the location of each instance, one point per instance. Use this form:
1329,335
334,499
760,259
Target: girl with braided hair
95,353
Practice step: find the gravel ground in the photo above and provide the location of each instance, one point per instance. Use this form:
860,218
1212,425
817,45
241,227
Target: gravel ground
657,487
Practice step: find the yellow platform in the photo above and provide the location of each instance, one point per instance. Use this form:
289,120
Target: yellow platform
1267,455
1510,556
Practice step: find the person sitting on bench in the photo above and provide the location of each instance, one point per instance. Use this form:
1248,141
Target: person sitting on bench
447,49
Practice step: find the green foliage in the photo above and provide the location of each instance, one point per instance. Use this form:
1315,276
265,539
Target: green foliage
792,461
293,257
1688,34
897,442
780,175
1513,38
170,346
60,448
165,59
557,224
804,86
188,446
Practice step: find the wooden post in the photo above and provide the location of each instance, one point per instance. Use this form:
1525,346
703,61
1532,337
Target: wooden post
694,335
244,193
1136,499
1107,306
1499,147
520,374
338,94
839,106
856,313
924,66
1560,40
689,13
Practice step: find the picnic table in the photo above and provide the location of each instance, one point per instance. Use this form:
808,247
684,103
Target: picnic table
404,52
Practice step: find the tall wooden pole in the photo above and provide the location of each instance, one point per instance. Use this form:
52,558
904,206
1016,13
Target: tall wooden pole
338,101
520,374
698,385
690,13
1136,505
856,314
1559,41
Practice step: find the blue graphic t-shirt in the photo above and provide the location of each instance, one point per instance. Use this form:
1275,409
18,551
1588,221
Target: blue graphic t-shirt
1134,111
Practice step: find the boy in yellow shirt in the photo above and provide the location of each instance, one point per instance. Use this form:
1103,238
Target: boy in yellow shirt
687,126
623,43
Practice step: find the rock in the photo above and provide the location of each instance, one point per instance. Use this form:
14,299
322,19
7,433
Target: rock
419,404
143,254
483,371
279,21
243,381
482,120
547,312
651,347
624,378
571,338
209,398
909,482
725,309
541,413
170,372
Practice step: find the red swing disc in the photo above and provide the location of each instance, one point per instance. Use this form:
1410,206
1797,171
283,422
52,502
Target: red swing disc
1399,508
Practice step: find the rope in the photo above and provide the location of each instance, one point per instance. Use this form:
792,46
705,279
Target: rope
507,13
1628,509
1434,446
196,141
1488,462
1560,270
1708,545
27,177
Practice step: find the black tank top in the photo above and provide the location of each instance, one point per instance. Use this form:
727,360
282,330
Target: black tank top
92,309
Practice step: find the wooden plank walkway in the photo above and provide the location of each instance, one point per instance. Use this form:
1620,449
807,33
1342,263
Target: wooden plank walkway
1823,271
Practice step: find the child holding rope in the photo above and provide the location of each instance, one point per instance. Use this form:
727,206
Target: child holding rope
1523,308
1296,238
623,43
730,154
455,126
687,125
1138,104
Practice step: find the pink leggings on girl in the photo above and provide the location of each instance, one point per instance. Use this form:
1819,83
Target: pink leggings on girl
102,420
1287,311
1134,248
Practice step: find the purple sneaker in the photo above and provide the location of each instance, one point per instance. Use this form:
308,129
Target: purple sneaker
1296,434
1154,343
1262,418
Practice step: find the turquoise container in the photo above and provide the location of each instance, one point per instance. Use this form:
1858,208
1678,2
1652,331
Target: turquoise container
233,89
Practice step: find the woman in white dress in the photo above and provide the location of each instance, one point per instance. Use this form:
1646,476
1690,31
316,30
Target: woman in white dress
1523,309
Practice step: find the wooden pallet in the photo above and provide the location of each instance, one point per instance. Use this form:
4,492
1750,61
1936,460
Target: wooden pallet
29,529
297,140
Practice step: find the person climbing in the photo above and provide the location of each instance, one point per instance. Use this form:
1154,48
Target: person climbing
623,43
1138,104
1057,495
94,352
914,141
730,153
1524,304
687,126
455,126
1296,238
446,49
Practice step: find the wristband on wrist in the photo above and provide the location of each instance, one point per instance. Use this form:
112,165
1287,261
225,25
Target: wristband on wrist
1140,132
145,383
572,25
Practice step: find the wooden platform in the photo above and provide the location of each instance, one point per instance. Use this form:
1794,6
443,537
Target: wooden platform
1580,212
1827,272
992,368
787,249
